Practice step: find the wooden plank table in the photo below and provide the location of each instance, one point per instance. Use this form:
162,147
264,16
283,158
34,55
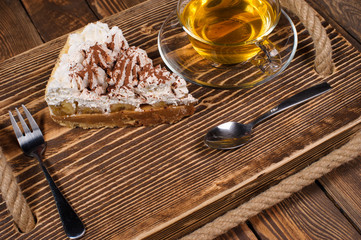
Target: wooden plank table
96,183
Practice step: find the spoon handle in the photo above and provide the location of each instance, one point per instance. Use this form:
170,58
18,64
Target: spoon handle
294,100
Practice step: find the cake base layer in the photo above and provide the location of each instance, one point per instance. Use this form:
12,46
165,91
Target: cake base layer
148,117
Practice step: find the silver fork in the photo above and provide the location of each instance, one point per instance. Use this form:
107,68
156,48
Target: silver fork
32,143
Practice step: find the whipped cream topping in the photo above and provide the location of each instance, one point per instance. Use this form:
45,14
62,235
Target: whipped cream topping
100,69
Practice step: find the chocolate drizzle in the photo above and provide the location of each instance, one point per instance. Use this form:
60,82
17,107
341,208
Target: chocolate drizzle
114,69
128,67
98,55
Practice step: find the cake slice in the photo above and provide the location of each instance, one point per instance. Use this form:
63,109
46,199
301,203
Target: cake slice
99,81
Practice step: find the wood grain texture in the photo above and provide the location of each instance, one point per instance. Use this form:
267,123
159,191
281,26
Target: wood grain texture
303,217
347,13
66,16
235,196
241,232
17,31
105,8
343,186
126,181
330,10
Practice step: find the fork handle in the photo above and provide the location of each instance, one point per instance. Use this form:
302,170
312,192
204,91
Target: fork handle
73,226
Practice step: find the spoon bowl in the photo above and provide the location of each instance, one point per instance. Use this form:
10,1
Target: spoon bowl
228,135
231,135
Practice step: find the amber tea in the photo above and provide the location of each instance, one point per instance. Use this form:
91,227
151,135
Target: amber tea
225,31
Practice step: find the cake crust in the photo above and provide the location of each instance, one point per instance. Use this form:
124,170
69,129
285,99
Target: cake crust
150,116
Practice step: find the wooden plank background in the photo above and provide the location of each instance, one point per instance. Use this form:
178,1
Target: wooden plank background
225,168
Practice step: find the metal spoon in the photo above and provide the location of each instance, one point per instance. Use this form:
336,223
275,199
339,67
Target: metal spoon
232,134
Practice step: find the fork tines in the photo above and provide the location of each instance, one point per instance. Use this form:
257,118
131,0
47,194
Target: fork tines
33,124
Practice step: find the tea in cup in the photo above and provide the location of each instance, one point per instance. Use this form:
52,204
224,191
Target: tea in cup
229,31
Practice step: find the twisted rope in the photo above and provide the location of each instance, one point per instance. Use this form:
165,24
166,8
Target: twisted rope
307,15
279,192
13,197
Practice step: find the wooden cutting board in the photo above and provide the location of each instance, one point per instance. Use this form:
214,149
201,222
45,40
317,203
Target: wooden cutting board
162,182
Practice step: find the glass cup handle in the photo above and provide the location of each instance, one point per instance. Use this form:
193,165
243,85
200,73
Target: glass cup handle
269,58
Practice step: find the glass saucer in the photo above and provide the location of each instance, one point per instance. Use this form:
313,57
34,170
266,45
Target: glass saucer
180,57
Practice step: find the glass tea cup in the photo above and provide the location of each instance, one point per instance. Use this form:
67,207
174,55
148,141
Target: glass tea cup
229,32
